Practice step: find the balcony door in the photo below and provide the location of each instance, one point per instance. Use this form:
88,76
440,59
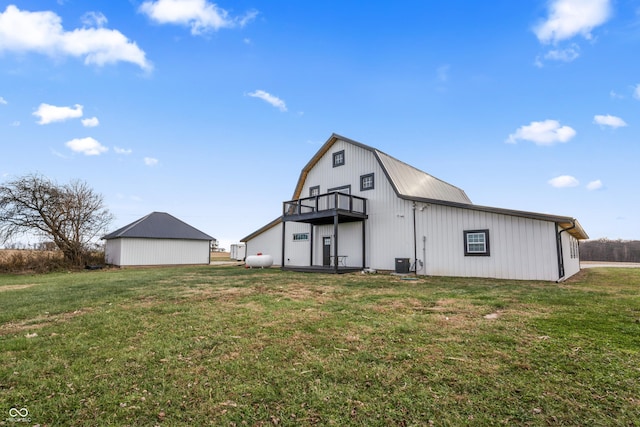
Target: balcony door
343,201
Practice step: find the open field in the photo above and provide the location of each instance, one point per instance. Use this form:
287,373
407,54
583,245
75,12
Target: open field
7,254
230,346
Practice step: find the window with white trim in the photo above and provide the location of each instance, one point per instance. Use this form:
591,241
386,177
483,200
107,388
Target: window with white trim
300,237
476,243
574,247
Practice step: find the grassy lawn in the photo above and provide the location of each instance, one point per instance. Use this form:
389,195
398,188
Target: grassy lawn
228,346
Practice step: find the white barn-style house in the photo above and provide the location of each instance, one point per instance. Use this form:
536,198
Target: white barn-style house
355,207
157,239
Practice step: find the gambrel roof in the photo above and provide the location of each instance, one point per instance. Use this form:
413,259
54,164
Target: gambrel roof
159,225
410,183
407,181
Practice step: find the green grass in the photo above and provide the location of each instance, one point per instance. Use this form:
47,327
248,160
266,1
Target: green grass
229,346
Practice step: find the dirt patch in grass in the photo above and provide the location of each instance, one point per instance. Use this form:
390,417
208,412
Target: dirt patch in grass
303,292
15,287
39,322
399,305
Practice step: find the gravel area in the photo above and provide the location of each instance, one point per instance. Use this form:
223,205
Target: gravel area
594,264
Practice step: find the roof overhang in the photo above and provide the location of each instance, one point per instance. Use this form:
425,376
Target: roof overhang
568,223
261,230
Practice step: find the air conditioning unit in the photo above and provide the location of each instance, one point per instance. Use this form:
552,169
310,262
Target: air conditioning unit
402,265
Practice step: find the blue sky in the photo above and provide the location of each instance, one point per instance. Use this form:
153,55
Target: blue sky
208,111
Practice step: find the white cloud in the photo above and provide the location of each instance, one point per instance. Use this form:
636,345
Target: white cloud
594,185
538,62
119,150
90,122
3,101
50,113
613,94
547,132
58,154
564,181
565,55
42,32
94,19
568,18
636,91
87,146
267,97
150,161
608,120
200,15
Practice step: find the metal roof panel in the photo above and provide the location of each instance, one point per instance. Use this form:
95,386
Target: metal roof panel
159,225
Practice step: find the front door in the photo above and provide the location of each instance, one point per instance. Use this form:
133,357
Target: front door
326,251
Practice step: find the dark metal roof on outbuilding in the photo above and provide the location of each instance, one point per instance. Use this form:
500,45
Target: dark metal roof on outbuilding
159,225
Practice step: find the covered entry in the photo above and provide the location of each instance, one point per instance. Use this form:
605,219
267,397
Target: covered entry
332,208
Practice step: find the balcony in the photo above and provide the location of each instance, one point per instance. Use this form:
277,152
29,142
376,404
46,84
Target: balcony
325,208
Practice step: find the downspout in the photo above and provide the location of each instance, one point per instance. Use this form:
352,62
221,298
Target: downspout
424,254
559,249
415,242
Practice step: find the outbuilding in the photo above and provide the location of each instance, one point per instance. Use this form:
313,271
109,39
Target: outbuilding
157,239
355,207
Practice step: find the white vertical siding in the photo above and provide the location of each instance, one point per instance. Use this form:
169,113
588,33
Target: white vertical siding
138,251
520,248
570,254
297,252
267,243
389,225
270,243
349,243
358,161
113,251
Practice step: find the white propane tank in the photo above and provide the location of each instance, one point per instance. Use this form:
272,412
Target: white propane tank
259,260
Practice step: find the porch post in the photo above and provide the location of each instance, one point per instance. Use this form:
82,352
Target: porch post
335,243
364,247
311,246
284,223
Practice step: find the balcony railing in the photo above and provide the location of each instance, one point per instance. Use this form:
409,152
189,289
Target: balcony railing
325,203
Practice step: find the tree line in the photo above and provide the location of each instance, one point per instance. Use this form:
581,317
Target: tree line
610,250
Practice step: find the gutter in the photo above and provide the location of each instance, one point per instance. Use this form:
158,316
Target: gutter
415,242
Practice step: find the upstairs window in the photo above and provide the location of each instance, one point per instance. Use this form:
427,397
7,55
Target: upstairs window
366,182
314,191
338,158
476,243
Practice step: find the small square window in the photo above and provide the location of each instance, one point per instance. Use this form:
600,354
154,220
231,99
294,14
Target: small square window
338,158
366,182
314,191
476,243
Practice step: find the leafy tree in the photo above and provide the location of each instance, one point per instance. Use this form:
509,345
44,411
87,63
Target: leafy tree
71,215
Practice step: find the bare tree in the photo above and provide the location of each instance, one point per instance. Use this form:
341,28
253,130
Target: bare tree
72,215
